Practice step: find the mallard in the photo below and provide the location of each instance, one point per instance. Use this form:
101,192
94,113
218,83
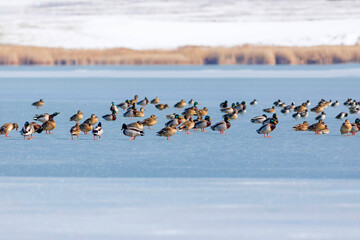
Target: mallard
110,117
161,106
277,103
167,132
130,113
317,109
38,104
174,122
137,124
267,128
155,101
151,121
143,102
322,116
139,113
304,114
93,119
86,127
50,125
75,131
354,104
27,130
224,104
355,127
341,115
307,103
300,108
228,110
171,116
190,112
346,127
37,127
285,110
240,106
202,124
124,105
354,110
259,119
135,100
131,132
317,127
296,115
194,107
114,108
180,105
232,116
348,102
7,128
291,106
221,126
77,117
186,126
268,120
270,110
191,102
301,126
97,131
42,117
326,130
335,104
283,104
254,102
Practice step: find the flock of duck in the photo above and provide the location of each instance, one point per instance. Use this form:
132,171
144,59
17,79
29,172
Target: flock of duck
186,120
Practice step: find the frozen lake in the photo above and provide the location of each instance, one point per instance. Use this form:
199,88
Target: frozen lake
199,186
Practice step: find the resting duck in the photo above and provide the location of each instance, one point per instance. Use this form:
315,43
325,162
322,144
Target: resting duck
42,117
114,108
322,116
161,106
285,110
277,103
86,127
296,115
341,115
186,126
75,131
38,104
130,113
202,124
77,117
174,122
93,119
194,107
317,127
155,101
259,119
180,104
7,128
143,102
346,127
270,110
140,113
167,132
151,121
317,109
335,104
300,108
191,102
267,128
254,102
240,106
124,105
268,120
326,130
97,131
131,132
222,126
291,106
301,126
110,117
355,126
348,102
228,110
171,116
50,125
307,103
135,100
190,111
304,114
224,104
354,110
137,124
232,116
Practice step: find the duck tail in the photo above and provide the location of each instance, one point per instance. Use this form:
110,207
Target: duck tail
142,133
39,130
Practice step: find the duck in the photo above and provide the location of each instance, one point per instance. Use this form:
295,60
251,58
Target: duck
254,102
37,128
317,109
301,126
97,131
140,113
326,130
193,107
174,122
130,113
38,104
75,131
93,119
143,102
110,117
322,116
285,110
228,110
27,131
296,115
270,110
291,106
151,121
86,127
131,132
202,124
304,114
259,119
137,124
124,105
50,125
232,116
307,103
135,100
317,127
267,128
167,132
77,117
191,102
155,101
300,108
348,102
186,126
171,116
114,108
224,104
161,106
41,117
180,105
283,104
268,120
277,103
190,111
355,127
7,128
341,115
354,104
354,110
221,126
335,104
240,106
345,128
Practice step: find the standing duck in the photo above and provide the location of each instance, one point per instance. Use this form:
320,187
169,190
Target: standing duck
27,131
50,125
75,131
317,109
135,100
140,113
186,126
77,117
97,131
130,113
137,125
86,127
355,126
174,122
202,124
151,121
42,117
143,102
131,132
124,105
155,101
110,117
38,104
268,120
346,127
180,105
267,128
7,128
222,126
167,132
228,110
317,127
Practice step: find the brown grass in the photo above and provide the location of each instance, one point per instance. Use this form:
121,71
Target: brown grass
189,55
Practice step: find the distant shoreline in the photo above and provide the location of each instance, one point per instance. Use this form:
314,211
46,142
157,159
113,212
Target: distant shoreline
187,55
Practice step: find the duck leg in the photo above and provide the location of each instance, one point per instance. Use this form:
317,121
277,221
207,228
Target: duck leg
7,135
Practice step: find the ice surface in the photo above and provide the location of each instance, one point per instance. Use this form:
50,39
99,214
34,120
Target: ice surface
295,185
